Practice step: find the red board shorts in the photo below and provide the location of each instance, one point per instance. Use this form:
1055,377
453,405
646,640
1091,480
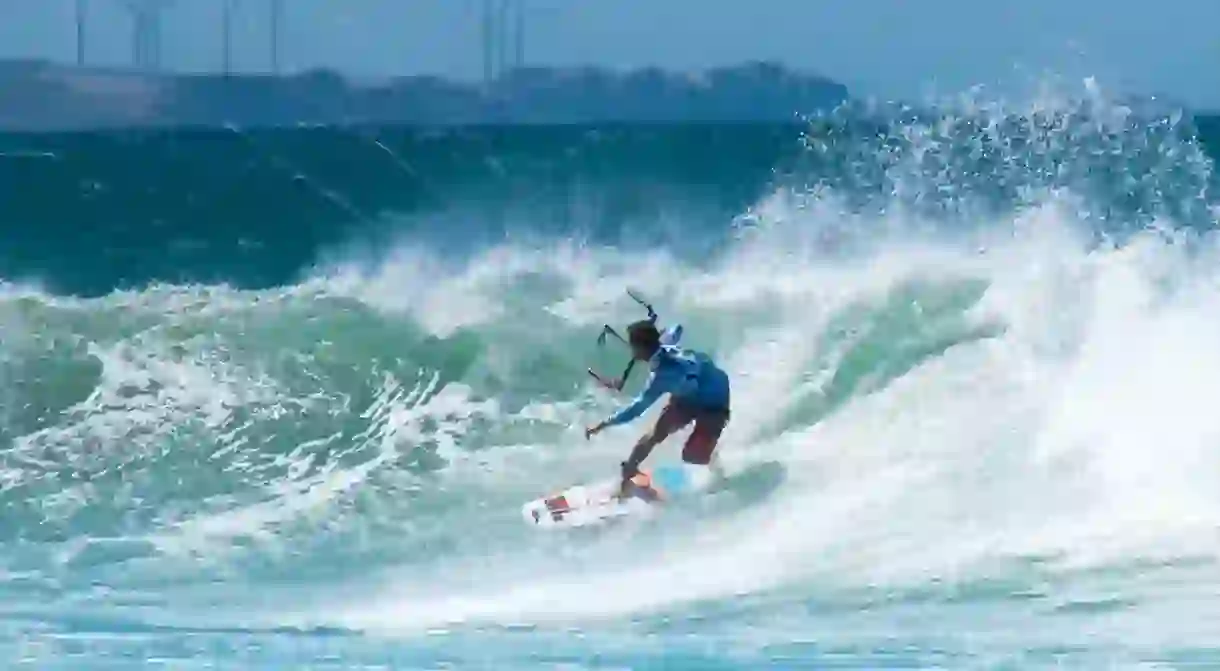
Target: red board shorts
709,424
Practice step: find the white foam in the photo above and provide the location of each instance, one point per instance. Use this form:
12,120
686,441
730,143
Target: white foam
1080,430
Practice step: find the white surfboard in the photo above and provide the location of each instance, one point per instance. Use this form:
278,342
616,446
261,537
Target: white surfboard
605,500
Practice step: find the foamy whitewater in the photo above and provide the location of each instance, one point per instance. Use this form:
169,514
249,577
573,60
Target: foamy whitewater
994,410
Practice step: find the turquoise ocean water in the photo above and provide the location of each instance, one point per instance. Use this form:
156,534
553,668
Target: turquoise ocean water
272,399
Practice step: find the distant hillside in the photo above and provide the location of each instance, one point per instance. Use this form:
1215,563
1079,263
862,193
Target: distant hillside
43,96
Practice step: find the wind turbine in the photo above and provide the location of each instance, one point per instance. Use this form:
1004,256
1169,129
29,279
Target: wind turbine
228,11
146,32
81,16
503,44
226,35
277,21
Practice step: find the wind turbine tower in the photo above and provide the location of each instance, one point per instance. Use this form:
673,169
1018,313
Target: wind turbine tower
146,32
489,41
226,36
503,40
277,24
81,17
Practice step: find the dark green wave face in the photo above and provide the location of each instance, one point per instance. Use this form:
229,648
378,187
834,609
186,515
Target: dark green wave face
274,399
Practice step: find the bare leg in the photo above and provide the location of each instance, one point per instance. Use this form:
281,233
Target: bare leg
643,447
718,480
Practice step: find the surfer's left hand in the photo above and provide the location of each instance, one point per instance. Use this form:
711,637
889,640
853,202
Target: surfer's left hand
592,431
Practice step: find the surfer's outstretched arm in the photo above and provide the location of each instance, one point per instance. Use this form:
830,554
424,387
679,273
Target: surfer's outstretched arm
656,387
651,393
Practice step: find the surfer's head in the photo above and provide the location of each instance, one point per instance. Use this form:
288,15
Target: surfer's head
644,338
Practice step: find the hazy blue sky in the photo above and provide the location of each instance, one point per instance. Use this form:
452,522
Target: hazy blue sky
883,48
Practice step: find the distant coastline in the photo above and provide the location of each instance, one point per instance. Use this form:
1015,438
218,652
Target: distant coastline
42,96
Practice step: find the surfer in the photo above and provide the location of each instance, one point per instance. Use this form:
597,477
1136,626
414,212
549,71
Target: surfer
698,389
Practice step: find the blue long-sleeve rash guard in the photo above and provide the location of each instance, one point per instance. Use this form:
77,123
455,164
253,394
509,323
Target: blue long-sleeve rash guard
691,377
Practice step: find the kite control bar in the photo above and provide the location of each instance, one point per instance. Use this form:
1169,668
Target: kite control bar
608,330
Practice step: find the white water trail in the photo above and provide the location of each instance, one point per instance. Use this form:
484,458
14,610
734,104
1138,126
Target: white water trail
1078,436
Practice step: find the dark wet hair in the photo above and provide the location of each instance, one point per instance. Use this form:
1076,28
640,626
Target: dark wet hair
644,334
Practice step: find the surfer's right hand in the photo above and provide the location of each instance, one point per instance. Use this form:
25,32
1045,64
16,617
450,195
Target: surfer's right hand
593,431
